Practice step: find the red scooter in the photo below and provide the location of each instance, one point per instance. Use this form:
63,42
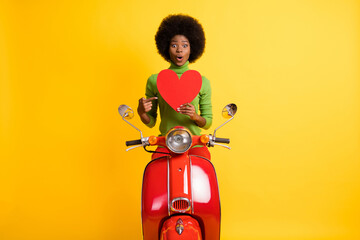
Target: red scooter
180,194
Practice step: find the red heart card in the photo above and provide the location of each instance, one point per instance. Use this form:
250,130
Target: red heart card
177,91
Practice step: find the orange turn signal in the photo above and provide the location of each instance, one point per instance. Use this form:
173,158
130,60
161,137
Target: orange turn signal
152,140
204,139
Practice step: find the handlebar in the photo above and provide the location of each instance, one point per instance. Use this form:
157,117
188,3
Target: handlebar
210,141
133,142
222,140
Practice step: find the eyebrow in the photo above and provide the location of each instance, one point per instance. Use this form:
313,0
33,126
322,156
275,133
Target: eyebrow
177,41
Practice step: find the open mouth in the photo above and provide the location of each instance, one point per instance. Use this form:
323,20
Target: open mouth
179,58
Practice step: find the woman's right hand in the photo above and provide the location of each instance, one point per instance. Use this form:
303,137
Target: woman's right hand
145,106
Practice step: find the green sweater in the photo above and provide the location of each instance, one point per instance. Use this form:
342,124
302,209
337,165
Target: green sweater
169,117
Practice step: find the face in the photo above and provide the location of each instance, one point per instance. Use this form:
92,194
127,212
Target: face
179,50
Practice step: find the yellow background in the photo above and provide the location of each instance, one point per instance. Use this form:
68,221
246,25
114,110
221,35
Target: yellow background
292,67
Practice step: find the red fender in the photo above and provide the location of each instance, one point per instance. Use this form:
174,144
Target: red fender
180,227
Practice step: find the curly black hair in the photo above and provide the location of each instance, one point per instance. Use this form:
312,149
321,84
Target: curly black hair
180,24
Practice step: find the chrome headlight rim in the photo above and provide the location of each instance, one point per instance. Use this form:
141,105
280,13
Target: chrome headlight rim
170,136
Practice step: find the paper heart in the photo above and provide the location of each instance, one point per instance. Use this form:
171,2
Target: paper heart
177,91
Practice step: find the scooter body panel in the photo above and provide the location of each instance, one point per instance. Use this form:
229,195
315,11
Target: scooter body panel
157,193
206,199
154,197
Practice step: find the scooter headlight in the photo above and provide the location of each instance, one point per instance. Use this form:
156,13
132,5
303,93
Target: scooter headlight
178,140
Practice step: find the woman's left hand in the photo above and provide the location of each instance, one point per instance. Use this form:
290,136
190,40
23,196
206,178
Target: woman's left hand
188,109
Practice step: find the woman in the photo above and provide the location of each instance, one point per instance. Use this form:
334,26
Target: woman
180,40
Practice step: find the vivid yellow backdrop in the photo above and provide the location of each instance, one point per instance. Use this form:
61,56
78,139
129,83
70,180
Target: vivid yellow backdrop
291,66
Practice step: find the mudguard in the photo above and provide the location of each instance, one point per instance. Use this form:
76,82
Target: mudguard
180,227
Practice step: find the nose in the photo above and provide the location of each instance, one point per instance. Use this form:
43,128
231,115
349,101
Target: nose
179,49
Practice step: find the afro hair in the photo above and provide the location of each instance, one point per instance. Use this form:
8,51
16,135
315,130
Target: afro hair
180,24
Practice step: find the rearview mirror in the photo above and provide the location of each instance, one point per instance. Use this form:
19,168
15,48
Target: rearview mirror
126,112
229,110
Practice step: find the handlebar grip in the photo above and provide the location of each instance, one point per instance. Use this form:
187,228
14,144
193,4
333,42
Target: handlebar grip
222,140
133,142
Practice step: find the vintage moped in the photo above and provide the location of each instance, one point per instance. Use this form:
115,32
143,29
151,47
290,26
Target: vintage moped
180,194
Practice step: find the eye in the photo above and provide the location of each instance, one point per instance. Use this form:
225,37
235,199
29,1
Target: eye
173,45
185,45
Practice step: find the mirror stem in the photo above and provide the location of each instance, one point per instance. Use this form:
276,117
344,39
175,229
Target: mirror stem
222,125
132,126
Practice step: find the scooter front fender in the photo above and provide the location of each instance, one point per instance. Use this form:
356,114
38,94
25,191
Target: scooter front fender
180,227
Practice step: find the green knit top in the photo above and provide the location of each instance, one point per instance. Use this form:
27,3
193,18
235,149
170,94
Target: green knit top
169,117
